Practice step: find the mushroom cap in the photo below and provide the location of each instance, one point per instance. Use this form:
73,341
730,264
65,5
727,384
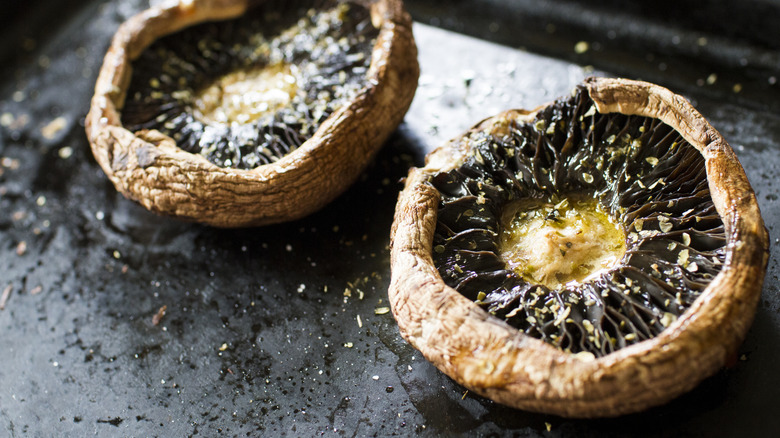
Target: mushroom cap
493,359
149,168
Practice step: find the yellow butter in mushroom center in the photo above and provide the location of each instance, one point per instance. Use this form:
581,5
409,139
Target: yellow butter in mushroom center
554,244
244,96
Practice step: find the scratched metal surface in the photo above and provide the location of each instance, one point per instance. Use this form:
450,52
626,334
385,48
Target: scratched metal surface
274,330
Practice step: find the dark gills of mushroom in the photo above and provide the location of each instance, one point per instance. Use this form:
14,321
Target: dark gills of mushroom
589,231
246,92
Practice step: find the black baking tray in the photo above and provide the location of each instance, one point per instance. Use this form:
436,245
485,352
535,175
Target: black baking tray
274,330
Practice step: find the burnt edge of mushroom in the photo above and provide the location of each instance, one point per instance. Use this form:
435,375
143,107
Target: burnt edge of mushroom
149,167
492,358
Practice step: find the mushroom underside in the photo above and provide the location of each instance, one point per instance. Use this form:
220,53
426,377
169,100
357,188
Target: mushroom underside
245,92
639,170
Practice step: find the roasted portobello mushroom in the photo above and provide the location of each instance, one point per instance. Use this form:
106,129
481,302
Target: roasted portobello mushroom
594,257
248,112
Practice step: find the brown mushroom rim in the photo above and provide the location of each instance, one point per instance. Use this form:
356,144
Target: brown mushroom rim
149,167
245,92
578,376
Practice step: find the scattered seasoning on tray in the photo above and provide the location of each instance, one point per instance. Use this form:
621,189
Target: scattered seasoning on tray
53,128
65,152
10,163
6,119
21,248
159,315
251,90
5,295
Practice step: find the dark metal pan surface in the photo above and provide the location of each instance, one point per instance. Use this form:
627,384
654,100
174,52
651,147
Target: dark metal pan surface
284,329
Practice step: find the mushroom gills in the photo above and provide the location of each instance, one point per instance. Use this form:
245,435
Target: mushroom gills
247,91
634,174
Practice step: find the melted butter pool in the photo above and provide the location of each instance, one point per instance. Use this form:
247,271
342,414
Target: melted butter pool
555,244
245,95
